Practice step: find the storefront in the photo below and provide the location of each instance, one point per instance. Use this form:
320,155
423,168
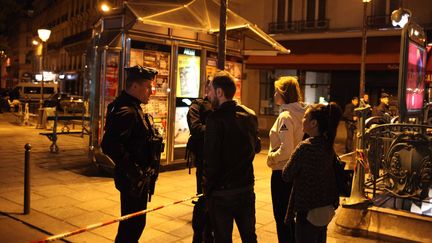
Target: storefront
181,45
69,83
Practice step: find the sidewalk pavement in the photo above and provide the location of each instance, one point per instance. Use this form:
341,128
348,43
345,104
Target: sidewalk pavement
68,193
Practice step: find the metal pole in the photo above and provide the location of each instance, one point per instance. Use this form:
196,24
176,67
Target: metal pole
357,197
363,50
27,178
222,34
42,82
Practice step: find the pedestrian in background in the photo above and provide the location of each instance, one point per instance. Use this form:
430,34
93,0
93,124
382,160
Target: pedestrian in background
196,119
364,103
310,169
231,141
350,123
383,108
284,136
127,141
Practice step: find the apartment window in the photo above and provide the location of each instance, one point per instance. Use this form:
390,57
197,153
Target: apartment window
310,10
284,10
316,13
379,7
29,57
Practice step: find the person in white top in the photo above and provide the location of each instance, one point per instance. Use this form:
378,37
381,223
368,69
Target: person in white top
285,134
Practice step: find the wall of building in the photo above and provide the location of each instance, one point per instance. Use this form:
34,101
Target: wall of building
342,15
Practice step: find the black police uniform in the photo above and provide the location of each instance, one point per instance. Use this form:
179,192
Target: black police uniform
128,132
350,126
196,118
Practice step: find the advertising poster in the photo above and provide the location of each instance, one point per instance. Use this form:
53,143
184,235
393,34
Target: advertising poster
111,77
158,103
181,129
234,68
136,57
188,76
415,77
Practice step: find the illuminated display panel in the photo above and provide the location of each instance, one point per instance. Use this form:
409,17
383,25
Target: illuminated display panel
415,85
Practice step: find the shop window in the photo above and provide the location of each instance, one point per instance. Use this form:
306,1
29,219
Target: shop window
267,93
267,79
29,57
316,87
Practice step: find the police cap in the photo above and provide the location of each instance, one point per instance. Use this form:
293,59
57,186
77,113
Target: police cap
138,72
384,95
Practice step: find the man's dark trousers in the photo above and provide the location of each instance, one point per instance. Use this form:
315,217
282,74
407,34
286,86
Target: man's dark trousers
349,143
200,218
226,208
130,230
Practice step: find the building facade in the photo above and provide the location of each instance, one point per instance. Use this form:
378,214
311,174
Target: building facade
325,39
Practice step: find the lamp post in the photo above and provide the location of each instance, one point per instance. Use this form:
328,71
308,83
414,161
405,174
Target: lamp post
44,35
2,57
222,34
363,50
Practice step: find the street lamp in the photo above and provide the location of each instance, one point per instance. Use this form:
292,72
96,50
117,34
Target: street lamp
400,17
363,50
44,35
105,7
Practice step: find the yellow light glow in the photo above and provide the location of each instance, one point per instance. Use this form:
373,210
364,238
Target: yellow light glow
44,34
366,1
105,7
35,42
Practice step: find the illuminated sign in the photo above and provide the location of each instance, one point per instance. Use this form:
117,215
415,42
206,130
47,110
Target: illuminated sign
47,76
189,52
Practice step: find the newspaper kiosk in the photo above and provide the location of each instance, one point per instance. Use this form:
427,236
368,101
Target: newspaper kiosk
178,40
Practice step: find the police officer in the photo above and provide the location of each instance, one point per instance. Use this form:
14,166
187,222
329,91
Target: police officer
196,118
350,123
126,141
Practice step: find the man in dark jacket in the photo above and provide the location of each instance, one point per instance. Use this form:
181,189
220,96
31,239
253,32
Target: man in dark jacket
231,141
196,118
128,142
350,123
383,108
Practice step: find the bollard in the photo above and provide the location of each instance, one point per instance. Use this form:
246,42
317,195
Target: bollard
27,178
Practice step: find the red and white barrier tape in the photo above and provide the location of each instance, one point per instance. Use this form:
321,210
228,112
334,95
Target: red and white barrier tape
98,225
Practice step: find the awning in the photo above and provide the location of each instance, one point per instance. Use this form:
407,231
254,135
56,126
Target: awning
202,16
334,54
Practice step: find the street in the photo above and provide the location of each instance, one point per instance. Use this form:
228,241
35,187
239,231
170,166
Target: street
68,193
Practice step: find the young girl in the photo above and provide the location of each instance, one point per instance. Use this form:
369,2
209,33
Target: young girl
310,168
285,134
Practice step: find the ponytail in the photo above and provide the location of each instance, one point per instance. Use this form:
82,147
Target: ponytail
328,117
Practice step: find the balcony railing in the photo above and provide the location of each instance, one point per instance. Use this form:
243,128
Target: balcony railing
299,26
379,21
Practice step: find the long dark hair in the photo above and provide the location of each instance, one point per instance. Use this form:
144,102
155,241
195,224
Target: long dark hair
328,117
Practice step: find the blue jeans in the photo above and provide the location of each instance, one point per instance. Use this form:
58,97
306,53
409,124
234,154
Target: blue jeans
224,209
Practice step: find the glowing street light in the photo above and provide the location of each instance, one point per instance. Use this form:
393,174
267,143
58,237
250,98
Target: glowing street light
44,35
105,7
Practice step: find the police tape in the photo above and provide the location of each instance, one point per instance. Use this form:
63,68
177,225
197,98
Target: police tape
122,218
